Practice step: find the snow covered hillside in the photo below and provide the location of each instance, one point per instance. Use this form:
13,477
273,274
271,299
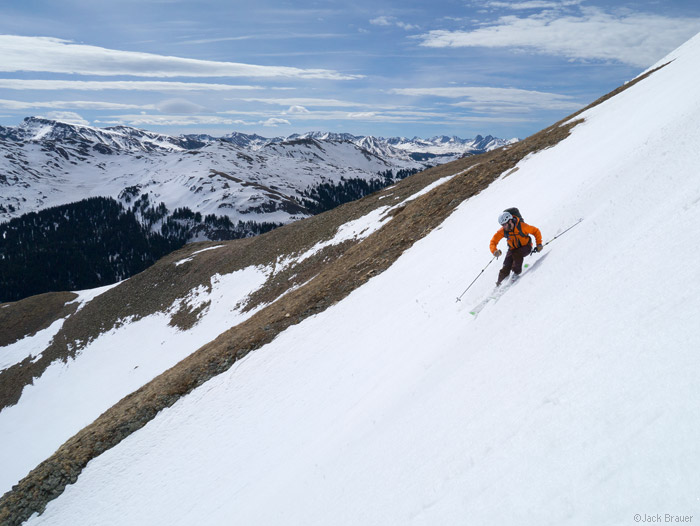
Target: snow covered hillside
372,397
47,163
439,148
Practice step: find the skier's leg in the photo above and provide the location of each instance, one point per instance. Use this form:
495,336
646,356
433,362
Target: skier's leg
518,256
505,270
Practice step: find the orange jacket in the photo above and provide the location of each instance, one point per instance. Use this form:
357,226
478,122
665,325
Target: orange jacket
518,237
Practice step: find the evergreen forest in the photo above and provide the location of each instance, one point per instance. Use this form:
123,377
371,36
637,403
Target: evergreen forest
100,241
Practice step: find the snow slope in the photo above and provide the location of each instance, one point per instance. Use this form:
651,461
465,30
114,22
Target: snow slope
68,396
218,178
572,400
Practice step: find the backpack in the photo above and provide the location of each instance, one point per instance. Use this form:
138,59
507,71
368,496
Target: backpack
514,212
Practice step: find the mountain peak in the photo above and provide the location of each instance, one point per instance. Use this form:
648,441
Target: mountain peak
134,139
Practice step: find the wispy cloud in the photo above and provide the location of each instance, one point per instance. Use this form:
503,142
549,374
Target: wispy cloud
407,116
307,101
120,85
297,110
496,100
180,106
273,122
188,120
75,104
54,55
532,4
171,120
67,116
380,21
263,36
387,21
637,39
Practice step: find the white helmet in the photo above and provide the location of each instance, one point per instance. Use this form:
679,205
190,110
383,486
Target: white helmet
504,218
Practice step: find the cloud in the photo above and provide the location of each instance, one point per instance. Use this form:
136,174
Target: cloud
179,106
171,120
362,115
409,116
274,122
54,55
407,27
637,39
307,101
297,109
73,104
496,100
188,120
67,116
264,36
386,21
381,21
121,85
533,4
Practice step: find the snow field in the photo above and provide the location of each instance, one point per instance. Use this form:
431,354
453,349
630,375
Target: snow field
35,344
69,396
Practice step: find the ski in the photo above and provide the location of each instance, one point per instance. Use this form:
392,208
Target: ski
496,294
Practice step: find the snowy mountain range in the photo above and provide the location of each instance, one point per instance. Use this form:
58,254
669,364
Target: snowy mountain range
244,177
323,373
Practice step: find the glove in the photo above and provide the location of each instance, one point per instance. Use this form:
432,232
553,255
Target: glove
497,254
538,248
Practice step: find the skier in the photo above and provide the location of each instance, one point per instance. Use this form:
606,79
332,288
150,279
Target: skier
517,234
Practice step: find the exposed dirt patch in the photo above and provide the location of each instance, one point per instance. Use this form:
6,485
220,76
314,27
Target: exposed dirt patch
187,316
25,318
327,278
31,315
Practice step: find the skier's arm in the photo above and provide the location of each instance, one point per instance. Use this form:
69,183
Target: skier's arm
534,231
495,239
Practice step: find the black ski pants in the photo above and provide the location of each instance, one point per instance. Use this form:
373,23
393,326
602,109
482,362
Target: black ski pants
513,262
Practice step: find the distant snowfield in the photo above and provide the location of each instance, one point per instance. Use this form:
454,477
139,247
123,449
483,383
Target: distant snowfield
572,400
218,178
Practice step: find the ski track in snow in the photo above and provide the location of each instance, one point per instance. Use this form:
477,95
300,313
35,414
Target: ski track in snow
573,400
191,257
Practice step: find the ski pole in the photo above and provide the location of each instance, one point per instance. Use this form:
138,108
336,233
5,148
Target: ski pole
459,298
558,235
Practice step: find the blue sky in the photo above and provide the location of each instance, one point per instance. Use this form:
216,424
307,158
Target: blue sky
506,68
